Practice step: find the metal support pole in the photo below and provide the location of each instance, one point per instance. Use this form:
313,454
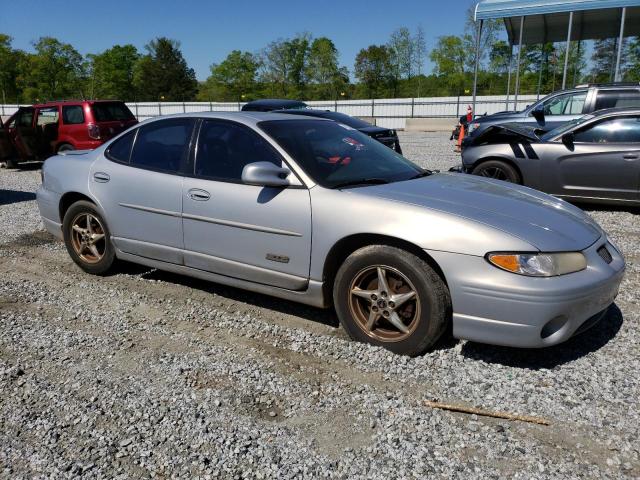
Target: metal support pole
373,108
540,72
620,42
517,89
567,51
506,102
413,103
475,67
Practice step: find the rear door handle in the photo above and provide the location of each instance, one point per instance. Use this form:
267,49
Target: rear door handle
101,177
199,195
630,156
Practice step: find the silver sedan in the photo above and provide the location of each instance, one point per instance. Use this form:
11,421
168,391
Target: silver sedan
313,211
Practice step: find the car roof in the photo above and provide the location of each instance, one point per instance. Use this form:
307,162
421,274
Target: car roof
246,117
73,102
616,111
275,103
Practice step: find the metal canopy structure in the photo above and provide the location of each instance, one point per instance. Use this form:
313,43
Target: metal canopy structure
530,22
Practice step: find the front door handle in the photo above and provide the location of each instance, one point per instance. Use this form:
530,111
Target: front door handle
199,195
101,177
630,156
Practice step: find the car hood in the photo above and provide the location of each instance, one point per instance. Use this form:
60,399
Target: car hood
372,130
523,131
500,116
545,222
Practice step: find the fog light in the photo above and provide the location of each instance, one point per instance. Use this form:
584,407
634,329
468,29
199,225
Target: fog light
553,325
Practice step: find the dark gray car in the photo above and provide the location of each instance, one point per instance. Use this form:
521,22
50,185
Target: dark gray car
563,106
594,158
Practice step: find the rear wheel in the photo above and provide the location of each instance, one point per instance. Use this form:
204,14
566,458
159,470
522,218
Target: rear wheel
65,147
499,170
391,298
87,238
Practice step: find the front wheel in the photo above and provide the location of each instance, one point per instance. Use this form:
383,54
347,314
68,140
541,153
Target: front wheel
497,169
391,298
65,147
87,238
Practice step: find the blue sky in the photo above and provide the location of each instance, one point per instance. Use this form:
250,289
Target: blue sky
208,30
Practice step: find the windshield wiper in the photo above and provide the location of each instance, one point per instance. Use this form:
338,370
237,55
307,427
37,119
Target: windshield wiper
361,181
424,173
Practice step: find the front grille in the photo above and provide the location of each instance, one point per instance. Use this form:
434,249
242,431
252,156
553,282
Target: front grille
605,254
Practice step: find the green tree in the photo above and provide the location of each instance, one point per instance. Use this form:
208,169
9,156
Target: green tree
632,71
603,60
400,47
374,69
164,74
112,73
233,79
451,60
9,72
55,70
323,70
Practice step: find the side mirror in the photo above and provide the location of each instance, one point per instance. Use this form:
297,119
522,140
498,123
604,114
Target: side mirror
538,113
265,174
568,139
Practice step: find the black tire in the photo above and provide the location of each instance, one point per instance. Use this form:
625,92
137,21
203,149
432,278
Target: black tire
65,147
431,306
499,170
101,264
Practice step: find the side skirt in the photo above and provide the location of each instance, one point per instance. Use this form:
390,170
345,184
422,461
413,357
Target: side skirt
313,295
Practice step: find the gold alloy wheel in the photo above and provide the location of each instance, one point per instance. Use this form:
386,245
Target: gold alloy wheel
384,303
87,238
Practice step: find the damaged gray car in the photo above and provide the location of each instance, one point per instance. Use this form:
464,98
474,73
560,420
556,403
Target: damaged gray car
595,158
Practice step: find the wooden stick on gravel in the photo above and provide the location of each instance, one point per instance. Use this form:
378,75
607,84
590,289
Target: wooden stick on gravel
486,413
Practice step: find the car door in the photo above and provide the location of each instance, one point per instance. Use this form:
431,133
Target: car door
22,132
138,183
260,234
602,161
6,145
559,109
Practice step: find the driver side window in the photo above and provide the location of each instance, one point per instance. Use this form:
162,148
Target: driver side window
614,130
225,148
567,104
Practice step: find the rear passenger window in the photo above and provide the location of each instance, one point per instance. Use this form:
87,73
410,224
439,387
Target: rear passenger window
617,99
162,145
120,150
615,130
72,115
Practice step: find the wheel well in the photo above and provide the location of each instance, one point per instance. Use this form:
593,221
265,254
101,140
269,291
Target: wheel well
503,160
69,199
346,246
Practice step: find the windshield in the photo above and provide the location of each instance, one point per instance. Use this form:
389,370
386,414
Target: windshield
111,112
333,154
565,127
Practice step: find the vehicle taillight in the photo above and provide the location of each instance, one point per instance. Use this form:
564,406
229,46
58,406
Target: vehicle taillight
94,131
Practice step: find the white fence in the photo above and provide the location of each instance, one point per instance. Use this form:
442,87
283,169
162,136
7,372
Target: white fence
390,113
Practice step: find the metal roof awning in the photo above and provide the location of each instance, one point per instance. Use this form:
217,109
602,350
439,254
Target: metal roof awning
547,21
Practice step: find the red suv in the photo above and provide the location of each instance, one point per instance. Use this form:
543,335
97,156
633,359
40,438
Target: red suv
43,130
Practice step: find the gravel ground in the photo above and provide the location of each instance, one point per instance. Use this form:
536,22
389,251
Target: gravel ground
146,374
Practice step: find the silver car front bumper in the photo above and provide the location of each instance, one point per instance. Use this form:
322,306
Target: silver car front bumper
501,308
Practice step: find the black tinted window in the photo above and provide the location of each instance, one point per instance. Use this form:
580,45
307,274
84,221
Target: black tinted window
615,130
161,145
111,112
617,98
25,118
225,148
72,115
120,150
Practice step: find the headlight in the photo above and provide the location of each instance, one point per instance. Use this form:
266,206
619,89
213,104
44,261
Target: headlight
473,126
539,264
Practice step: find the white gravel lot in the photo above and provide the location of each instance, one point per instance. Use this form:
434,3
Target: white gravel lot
144,374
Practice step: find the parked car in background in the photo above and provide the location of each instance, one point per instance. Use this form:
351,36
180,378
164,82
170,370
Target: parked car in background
386,136
594,158
42,130
401,252
562,106
271,104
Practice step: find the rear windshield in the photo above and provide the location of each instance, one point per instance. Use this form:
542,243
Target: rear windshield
111,112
